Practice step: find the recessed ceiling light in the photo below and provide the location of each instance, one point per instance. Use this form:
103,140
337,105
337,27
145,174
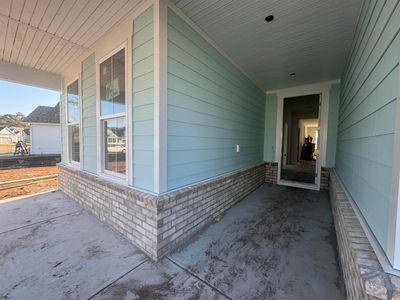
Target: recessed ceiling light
269,18
292,74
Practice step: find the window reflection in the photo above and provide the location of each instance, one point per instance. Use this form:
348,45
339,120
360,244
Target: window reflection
73,102
115,145
112,84
74,140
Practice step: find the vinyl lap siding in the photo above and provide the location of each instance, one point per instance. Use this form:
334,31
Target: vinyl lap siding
143,100
64,135
89,131
211,107
333,115
367,113
270,127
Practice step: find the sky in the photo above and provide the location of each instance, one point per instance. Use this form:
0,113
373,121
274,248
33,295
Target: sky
22,98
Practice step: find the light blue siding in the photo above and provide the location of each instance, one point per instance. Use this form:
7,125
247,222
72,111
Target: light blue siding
333,115
64,134
89,121
212,107
143,100
271,112
367,114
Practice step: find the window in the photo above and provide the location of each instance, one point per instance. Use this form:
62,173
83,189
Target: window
112,113
73,121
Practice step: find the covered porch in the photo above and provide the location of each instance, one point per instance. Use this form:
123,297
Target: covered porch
174,111
278,243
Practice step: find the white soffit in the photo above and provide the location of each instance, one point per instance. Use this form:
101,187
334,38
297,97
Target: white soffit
50,34
311,38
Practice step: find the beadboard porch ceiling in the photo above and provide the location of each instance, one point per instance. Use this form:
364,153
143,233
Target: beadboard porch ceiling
311,38
49,34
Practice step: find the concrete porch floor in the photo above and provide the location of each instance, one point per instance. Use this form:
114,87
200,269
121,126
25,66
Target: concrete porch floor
278,243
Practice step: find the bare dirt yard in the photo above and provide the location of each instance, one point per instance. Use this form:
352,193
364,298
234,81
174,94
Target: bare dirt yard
29,188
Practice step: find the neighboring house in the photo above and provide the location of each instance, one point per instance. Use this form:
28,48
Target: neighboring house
44,130
9,136
27,135
194,94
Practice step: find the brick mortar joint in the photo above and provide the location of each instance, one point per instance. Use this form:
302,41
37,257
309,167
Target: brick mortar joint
338,213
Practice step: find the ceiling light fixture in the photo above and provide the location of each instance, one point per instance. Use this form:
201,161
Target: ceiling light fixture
269,18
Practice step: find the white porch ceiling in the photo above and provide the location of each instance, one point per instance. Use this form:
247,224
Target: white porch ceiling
311,38
49,34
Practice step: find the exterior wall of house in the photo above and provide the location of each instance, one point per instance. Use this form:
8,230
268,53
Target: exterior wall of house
45,139
271,111
143,100
333,115
8,137
63,125
88,103
367,114
157,224
212,107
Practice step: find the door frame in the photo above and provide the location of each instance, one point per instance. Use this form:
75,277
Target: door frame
310,186
323,89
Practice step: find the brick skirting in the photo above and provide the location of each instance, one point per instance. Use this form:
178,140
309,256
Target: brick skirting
132,213
325,174
156,224
183,212
363,275
271,172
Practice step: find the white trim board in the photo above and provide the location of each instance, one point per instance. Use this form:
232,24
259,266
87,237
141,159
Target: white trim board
160,96
29,76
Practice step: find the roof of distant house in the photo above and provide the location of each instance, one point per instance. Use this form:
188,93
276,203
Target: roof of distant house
44,114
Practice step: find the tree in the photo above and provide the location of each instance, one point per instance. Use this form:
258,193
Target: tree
12,120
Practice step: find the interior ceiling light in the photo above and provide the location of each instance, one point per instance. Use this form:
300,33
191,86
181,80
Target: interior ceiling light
269,18
292,74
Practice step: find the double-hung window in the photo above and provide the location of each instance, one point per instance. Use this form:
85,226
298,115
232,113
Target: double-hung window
73,112
112,73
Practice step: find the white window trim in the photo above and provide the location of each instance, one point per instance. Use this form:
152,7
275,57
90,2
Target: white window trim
69,159
109,175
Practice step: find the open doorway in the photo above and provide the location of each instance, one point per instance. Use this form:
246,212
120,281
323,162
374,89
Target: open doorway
300,140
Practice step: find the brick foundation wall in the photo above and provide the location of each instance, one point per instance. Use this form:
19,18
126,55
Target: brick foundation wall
324,183
363,275
156,224
271,172
133,214
185,211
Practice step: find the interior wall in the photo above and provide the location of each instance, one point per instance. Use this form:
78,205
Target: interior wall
367,114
